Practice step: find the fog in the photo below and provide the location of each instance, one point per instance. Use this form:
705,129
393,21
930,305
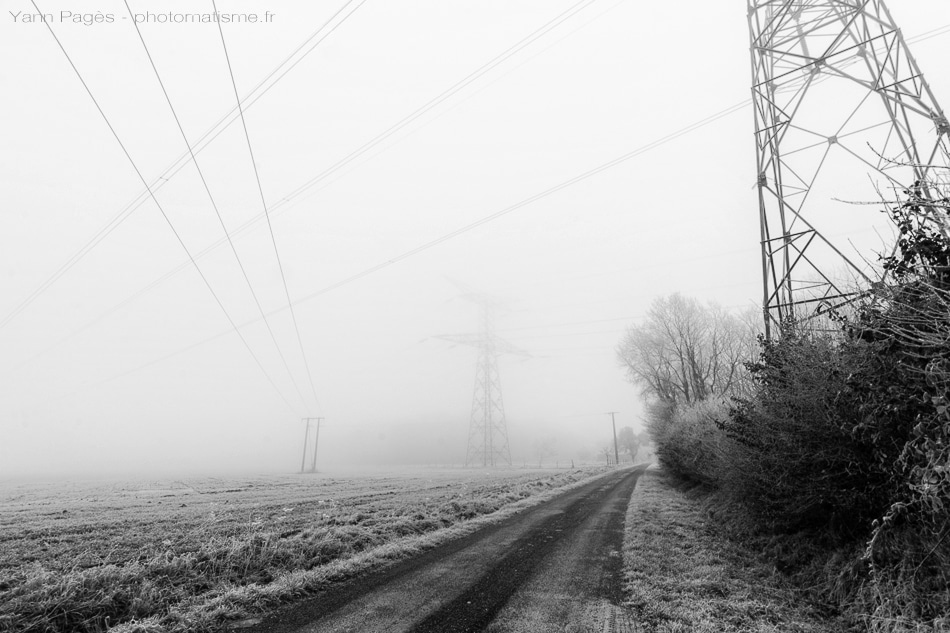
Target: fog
103,370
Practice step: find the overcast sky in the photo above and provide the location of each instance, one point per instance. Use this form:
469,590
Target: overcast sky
106,370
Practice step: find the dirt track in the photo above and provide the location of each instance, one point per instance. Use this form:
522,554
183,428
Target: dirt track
555,567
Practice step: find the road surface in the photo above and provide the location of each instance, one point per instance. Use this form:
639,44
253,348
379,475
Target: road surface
554,567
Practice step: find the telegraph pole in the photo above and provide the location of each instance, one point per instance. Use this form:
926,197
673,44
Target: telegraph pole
316,443
306,435
614,423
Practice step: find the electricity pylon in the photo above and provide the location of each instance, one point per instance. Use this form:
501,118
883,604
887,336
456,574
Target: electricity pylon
487,431
839,101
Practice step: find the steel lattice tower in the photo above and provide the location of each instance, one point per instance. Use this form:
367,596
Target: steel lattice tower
835,92
487,431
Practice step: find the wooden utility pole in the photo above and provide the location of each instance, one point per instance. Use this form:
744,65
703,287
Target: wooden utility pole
616,452
306,436
316,444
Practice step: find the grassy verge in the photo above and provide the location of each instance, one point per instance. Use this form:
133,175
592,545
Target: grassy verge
232,551
682,574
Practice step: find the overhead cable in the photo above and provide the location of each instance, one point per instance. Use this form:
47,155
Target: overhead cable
448,236
209,136
270,226
457,86
214,204
158,205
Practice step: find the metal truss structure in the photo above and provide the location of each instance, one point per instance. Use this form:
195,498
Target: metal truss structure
487,431
842,112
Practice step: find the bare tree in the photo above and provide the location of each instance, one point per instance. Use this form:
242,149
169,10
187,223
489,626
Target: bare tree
686,352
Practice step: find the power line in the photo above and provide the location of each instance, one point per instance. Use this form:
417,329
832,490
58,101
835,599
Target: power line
555,277
162,180
413,116
926,35
640,150
527,201
519,337
177,165
152,194
296,199
682,131
214,204
459,85
441,97
270,227
159,206
172,170
457,232
535,327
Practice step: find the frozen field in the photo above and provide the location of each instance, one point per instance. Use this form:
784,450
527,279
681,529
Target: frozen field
86,555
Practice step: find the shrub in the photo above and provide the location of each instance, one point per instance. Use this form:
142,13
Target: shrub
844,435
689,441
800,465
908,321
848,433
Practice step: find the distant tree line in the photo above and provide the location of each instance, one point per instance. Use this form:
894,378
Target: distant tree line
685,357
685,352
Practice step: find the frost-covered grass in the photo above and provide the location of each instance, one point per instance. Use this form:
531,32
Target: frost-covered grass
682,574
194,555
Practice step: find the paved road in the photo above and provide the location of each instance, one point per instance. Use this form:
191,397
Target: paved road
555,567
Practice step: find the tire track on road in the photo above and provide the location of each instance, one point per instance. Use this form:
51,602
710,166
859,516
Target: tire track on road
557,563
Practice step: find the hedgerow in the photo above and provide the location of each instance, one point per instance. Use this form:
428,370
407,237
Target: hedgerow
845,435
802,463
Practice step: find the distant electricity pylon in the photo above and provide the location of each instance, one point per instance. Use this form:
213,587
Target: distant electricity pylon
835,88
487,431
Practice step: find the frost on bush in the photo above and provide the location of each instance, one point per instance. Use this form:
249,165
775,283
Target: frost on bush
848,433
687,358
688,440
907,321
842,434
799,463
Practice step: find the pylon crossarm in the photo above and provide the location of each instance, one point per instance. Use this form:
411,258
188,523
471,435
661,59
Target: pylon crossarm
852,296
790,236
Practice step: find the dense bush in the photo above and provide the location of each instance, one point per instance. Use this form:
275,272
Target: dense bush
688,441
849,433
801,462
688,358
906,412
846,434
